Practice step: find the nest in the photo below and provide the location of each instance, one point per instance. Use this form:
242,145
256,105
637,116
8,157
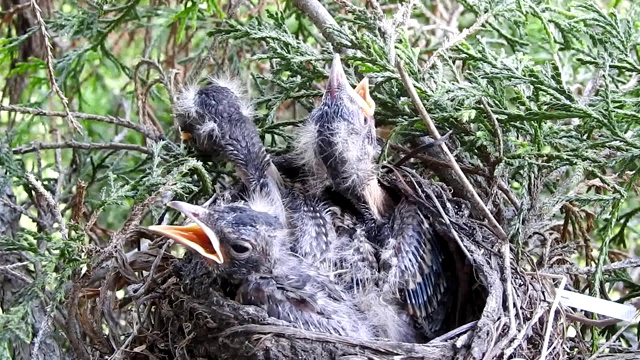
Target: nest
173,310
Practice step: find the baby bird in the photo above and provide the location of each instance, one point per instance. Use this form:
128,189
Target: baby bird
339,146
338,141
217,120
249,248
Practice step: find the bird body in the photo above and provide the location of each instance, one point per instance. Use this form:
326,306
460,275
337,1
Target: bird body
411,265
215,119
327,249
313,235
252,251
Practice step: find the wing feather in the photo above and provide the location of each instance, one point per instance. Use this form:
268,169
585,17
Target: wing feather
414,264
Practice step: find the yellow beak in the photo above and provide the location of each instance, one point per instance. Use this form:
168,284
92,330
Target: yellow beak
196,236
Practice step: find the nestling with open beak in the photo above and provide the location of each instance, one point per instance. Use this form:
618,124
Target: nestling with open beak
251,249
338,144
412,269
217,120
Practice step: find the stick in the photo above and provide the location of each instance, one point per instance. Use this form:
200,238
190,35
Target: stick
319,16
493,224
71,144
106,119
50,73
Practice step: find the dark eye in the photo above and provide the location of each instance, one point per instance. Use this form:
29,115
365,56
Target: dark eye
240,249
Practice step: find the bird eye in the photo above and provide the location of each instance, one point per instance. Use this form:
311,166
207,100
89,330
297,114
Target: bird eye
367,120
240,248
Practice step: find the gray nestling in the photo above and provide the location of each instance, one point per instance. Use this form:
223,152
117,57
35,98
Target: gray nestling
342,135
217,119
338,141
251,249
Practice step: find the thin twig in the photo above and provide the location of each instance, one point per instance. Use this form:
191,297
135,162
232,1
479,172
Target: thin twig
20,276
458,38
466,169
106,119
202,62
493,224
142,102
15,9
44,328
53,206
16,265
49,61
507,192
59,169
453,232
506,253
22,211
525,329
496,125
552,315
72,144
455,332
602,323
613,338
432,351
319,16
572,269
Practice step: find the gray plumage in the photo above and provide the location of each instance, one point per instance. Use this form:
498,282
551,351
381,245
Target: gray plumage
341,133
217,121
412,265
356,254
254,247
288,250
311,229
337,143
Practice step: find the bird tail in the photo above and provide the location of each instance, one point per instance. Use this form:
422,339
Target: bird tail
216,120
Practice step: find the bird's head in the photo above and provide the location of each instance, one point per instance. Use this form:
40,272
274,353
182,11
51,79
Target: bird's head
339,139
344,102
209,114
236,240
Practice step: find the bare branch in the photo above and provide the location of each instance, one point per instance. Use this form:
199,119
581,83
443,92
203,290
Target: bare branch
106,119
571,269
71,144
319,16
53,206
476,201
49,61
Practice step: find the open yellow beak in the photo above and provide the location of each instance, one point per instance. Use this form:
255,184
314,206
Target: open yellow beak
338,79
196,236
362,89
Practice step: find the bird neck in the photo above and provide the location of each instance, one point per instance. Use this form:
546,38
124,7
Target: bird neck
376,198
245,150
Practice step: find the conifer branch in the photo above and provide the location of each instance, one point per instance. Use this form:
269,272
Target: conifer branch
48,48
476,200
106,119
71,144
